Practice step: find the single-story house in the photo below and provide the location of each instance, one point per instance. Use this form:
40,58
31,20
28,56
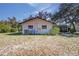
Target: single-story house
36,25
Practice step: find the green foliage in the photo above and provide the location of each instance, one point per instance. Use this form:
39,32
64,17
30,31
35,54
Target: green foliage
4,28
72,30
55,30
13,29
76,33
10,25
68,12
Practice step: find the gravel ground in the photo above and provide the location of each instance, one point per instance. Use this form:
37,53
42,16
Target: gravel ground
41,46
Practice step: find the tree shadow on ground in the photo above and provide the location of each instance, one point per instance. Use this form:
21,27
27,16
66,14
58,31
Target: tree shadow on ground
19,33
14,34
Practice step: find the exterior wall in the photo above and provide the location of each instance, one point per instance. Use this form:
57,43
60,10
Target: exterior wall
37,26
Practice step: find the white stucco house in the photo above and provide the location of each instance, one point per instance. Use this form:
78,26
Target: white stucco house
36,26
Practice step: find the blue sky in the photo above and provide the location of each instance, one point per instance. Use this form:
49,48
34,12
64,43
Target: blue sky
23,10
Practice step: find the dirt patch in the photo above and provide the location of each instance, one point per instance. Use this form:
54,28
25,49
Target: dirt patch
40,46
36,47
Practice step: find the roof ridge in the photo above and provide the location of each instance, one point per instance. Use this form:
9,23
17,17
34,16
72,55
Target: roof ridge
35,18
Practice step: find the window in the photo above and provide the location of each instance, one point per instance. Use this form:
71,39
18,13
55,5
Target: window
44,27
30,27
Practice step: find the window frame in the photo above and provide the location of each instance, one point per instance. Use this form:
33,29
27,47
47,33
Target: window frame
30,26
44,26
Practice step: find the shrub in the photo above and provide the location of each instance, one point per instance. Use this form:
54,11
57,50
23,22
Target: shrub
72,30
13,29
55,30
76,33
4,28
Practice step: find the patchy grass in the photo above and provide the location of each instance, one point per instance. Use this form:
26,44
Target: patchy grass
38,45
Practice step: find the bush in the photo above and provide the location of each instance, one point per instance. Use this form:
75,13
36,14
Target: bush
4,28
13,29
55,30
72,31
76,33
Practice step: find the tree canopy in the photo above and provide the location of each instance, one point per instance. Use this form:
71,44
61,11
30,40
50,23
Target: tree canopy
9,25
69,12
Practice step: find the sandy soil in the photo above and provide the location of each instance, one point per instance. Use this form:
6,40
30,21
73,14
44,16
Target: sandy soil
38,45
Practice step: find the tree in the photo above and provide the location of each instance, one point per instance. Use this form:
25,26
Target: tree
12,22
68,12
30,17
44,14
4,28
40,14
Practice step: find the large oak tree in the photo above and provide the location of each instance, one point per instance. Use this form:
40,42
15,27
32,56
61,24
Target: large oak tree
68,12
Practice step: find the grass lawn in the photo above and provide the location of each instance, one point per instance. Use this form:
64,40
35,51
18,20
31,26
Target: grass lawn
43,45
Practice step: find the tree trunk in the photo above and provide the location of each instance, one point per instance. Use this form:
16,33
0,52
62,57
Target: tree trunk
72,30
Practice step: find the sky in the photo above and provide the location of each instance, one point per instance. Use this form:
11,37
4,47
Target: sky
24,10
